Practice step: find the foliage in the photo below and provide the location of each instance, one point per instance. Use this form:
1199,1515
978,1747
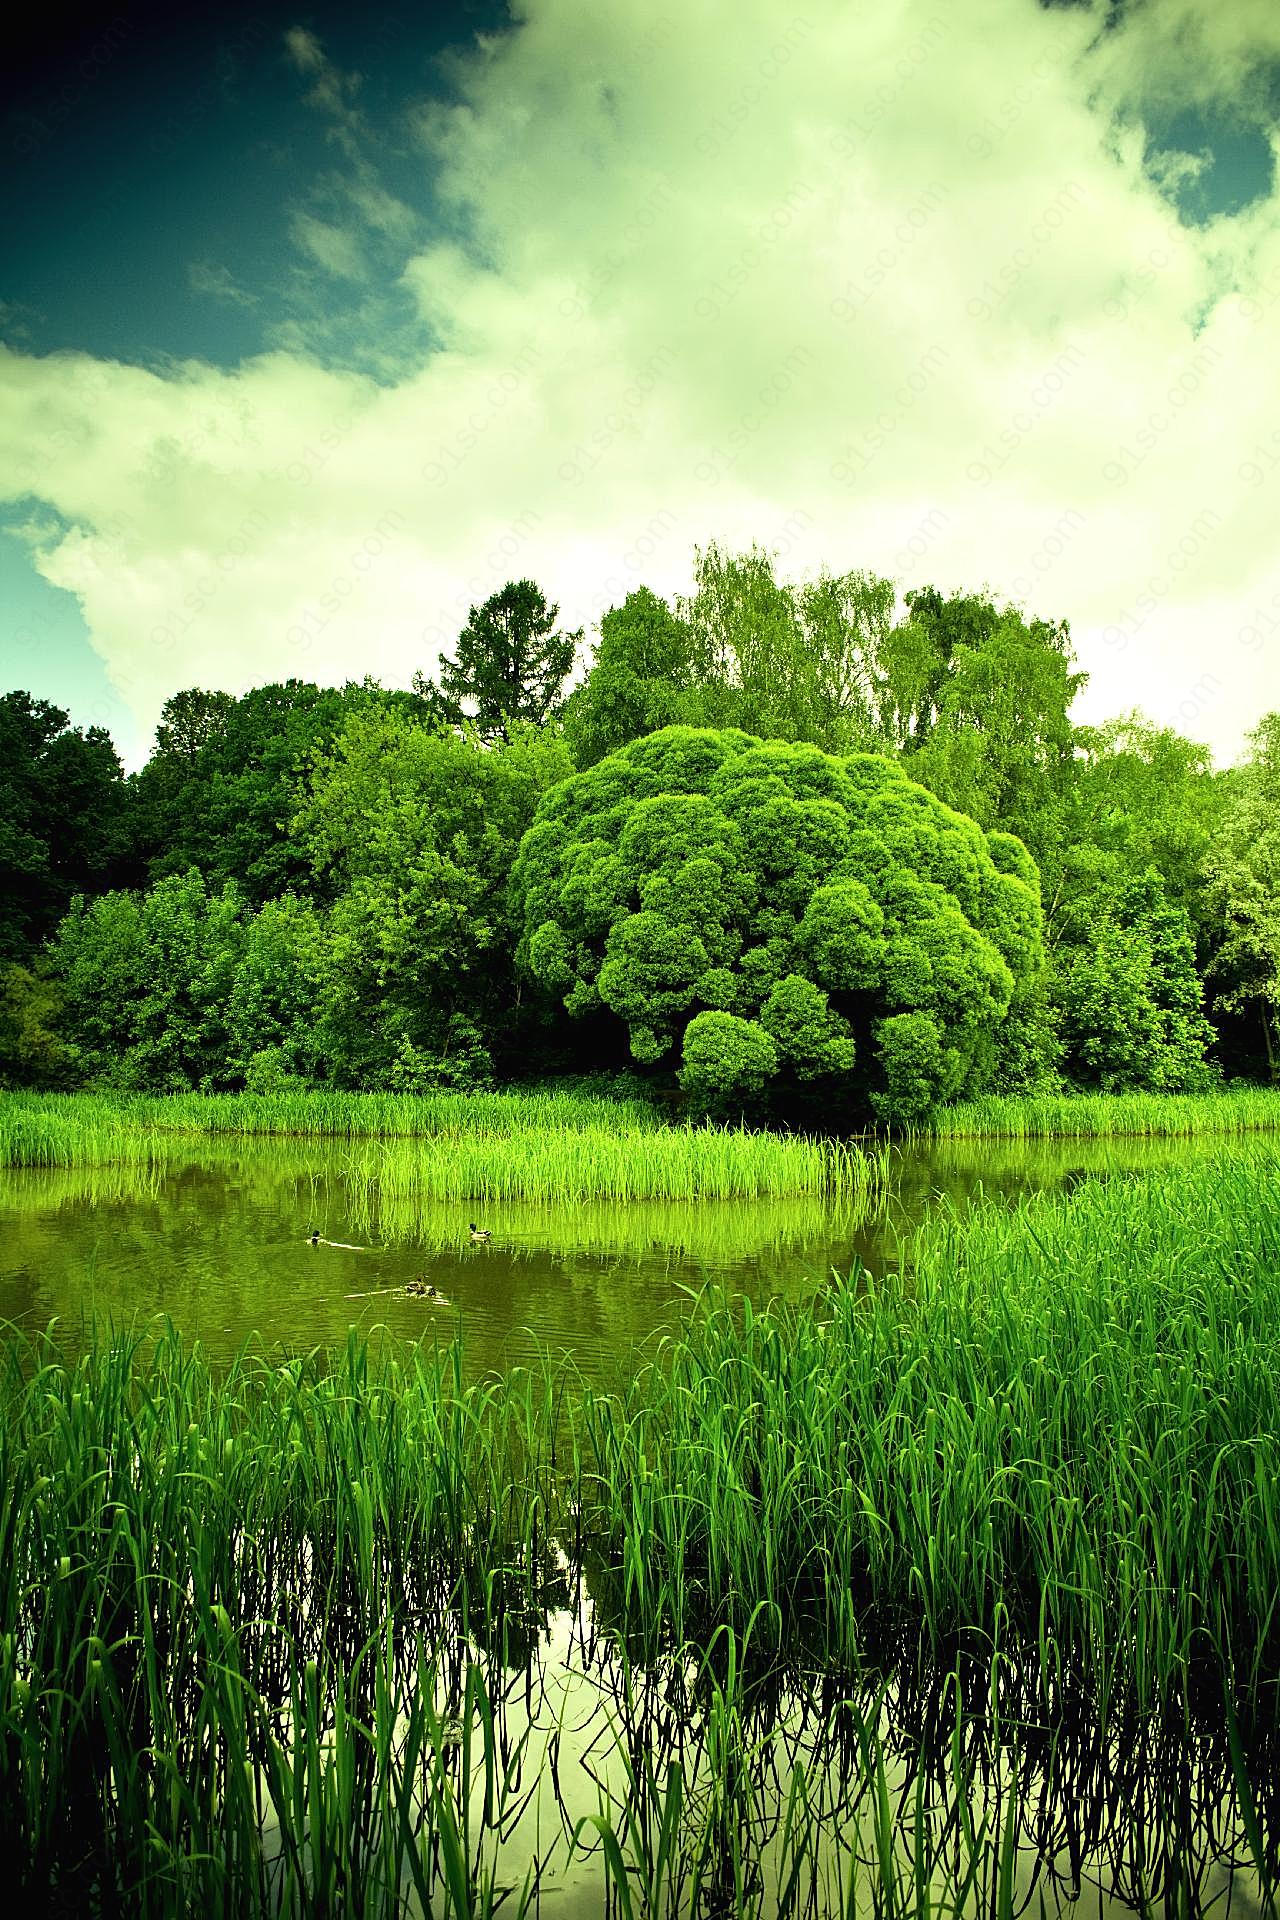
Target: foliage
988,714
509,667
413,832
774,902
147,981
218,792
640,680
1244,889
63,818
1144,797
33,1052
786,662
1130,997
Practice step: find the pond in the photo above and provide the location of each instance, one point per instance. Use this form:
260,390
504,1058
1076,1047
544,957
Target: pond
1130,1815
216,1238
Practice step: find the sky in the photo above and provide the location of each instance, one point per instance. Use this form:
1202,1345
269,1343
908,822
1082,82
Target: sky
319,324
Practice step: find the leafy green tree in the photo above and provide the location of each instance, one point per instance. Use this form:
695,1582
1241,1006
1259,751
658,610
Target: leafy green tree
640,680
1144,797
275,1029
510,665
802,899
1130,996
33,1049
987,701
782,661
146,982
412,834
63,818
1243,885
219,791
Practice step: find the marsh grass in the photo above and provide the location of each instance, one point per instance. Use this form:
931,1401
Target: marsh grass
1239,1109
1015,1509
1063,1418
561,1147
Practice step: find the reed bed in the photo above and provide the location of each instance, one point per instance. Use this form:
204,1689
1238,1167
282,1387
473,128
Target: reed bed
615,1164
255,1628
197,1716
1240,1109
222,1609
1063,1420
561,1148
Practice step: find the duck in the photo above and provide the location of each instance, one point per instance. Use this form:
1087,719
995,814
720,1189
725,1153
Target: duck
480,1233
313,1238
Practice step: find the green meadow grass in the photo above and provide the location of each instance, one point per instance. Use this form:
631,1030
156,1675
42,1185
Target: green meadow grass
1237,1109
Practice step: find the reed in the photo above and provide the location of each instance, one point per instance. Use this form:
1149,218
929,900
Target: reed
561,1148
1062,1418
268,1638
1239,1109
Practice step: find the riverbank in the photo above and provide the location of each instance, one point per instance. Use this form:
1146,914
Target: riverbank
262,1632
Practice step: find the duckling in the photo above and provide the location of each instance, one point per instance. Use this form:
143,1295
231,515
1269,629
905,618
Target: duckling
480,1233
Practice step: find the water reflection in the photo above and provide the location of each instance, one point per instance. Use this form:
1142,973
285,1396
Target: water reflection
217,1240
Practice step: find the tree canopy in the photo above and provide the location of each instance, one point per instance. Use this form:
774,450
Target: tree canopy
509,666
63,817
777,917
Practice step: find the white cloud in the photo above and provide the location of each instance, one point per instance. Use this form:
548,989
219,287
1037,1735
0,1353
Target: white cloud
885,288
335,248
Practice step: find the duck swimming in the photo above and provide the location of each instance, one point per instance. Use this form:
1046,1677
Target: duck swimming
480,1233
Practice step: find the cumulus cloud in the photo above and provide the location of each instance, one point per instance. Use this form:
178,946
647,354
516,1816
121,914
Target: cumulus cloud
889,289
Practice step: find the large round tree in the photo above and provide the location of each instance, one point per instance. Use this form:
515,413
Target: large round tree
772,918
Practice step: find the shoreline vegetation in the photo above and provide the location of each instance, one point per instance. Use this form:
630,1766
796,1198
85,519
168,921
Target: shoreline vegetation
1079,1116
555,1144
485,1147
257,1628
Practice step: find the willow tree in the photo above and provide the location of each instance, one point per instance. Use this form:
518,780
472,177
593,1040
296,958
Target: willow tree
765,917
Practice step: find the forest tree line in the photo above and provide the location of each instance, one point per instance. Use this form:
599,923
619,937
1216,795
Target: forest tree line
338,885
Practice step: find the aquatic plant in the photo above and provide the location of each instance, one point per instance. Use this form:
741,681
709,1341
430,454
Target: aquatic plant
1237,1109
1060,1417
484,1147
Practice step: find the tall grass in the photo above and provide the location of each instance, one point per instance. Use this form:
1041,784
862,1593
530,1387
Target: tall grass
1064,1418
558,1148
1237,1109
254,1630
226,1608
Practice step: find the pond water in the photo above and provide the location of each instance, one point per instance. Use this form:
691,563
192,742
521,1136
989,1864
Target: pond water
216,1238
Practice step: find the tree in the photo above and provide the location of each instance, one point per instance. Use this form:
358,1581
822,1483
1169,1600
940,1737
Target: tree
765,913
63,818
509,666
412,833
146,982
640,680
1130,996
782,661
33,1049
1143,797
1243,883
987,696
219,791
